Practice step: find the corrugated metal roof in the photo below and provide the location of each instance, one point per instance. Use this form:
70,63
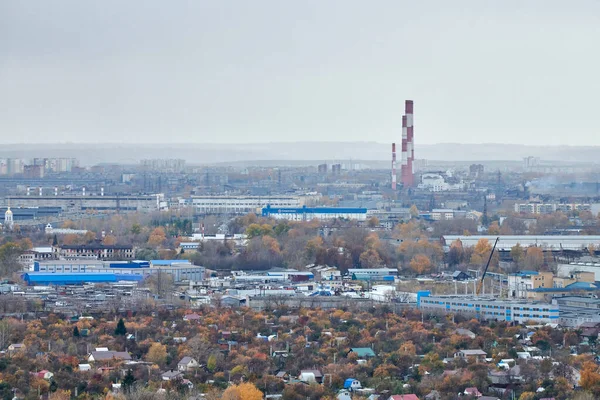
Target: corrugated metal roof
66,278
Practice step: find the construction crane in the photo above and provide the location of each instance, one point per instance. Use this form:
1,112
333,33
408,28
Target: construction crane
480,284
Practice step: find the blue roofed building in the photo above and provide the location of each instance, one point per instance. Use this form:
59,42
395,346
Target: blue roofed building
309,213
179,270
41,278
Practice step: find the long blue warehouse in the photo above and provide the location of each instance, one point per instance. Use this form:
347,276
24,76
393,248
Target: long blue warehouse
41,278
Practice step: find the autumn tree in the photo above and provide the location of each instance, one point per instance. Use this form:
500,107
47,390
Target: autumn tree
590,377
9,258
157,237
534,258
421,264
494,228
414,211
157,353
373,222
243,391
481,251
517,254
109,240
456,254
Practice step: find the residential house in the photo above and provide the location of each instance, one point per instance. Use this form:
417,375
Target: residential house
465,332
191,317
476,354
352,384
403,397
85,367
172,375
433,395
16,348
472,391
311,376
282,375
100,356
43,374
187,364
362,352
344,394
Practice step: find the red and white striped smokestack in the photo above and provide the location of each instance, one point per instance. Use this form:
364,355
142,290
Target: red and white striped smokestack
410,138
404,141
393,166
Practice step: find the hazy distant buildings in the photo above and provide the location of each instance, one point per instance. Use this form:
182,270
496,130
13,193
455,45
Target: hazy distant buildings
164,165
531,162
37,168
33,171
476,170
322,169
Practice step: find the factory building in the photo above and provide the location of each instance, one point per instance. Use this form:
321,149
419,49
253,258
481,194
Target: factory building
36,279
310,213
89,202
489,308
179,270
241,204
546,242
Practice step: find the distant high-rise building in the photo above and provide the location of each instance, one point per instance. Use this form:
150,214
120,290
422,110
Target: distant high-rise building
476,170
33,171
322,169
336,169
408,145
531,162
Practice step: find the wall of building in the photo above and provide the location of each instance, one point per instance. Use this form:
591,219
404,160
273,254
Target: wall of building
491,309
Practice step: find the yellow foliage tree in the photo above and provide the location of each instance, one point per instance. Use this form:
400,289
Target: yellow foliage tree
109,240
243,391
534,258
157,353
590,378
421,264
157,237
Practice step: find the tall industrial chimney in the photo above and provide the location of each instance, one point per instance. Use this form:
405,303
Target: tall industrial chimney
408,176
393,166
404,152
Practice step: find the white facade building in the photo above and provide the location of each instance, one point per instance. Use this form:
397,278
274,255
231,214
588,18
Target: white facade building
241,204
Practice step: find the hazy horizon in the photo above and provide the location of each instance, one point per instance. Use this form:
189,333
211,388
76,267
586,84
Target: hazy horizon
270,72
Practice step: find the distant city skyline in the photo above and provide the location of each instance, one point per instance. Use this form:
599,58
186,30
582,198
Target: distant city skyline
270,71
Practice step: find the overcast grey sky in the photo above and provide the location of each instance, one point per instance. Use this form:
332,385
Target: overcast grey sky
514,71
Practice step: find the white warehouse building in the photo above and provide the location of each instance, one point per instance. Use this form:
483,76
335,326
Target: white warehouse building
241,204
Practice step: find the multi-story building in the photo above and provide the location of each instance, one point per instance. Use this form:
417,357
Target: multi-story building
440,214
489,308
310,213
241,204
164,165
179,270
550,208
94,251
